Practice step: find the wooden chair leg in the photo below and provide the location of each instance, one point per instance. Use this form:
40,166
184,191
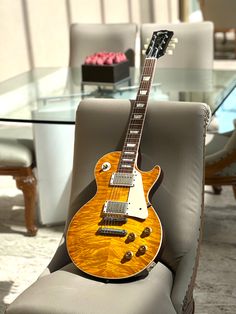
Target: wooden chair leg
217,189
234,190
28,186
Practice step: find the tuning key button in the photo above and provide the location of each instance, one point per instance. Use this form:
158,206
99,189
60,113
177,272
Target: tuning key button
146,232
142,249
128,255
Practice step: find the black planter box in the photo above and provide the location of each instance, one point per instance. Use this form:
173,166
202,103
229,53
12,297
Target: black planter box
105,73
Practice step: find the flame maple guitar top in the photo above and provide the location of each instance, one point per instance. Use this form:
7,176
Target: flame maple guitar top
110,256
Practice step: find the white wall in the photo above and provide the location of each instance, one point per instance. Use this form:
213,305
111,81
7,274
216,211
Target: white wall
34,33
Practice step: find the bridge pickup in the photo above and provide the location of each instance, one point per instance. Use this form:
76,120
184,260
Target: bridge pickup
122,179
112,232
114,220
115,208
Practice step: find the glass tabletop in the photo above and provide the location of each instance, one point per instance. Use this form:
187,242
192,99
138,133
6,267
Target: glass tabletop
52,95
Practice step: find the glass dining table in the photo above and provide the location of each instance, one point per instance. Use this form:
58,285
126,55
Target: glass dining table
49,97
52,95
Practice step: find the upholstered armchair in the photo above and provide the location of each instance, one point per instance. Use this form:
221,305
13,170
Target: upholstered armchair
174,138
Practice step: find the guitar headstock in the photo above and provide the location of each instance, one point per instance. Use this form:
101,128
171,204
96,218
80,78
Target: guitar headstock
158,43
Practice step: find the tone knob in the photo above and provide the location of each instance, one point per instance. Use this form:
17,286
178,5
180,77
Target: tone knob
128,255
131,236
147,231
142,249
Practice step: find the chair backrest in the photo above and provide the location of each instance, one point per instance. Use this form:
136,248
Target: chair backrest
220,12
173,138
194,48
86,39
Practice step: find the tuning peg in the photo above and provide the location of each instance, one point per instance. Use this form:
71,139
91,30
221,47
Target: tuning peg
174,40
145,46
143,52
172,45
169,52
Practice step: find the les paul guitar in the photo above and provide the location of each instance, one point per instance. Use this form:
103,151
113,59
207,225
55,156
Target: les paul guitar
117,234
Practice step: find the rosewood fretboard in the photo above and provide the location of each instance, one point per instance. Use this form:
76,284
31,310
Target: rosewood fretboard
135,127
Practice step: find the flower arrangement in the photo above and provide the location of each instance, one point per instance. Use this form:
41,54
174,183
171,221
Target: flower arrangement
103,58
105,67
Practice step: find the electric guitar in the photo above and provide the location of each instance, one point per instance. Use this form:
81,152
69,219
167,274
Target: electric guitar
117,234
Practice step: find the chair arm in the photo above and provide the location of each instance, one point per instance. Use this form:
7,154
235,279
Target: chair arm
182,291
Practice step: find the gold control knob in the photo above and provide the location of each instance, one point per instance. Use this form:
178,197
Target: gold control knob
128,255
142,249
147,231
131,237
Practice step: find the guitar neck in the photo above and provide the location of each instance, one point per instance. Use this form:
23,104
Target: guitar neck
135,127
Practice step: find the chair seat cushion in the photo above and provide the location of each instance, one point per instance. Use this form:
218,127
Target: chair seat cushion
16,153
68,291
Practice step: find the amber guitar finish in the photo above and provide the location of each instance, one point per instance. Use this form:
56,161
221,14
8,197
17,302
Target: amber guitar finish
117,234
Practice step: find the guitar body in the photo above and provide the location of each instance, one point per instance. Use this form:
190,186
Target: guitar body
119,255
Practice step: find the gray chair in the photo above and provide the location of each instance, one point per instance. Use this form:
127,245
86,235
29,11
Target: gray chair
222,14
86,39
17,160
168,287
194,48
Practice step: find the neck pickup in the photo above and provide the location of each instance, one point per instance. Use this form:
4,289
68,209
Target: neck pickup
122,179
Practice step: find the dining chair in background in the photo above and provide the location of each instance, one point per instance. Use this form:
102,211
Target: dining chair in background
222,14
167,287
194,48
17,159
86,39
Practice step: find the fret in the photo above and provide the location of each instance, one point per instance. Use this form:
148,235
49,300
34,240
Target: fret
146,78
143,92
130,145
129,153
127,159
136,122
140,105
134,131
138,116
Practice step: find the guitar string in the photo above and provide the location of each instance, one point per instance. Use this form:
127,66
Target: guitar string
148,64
115,191
144,85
